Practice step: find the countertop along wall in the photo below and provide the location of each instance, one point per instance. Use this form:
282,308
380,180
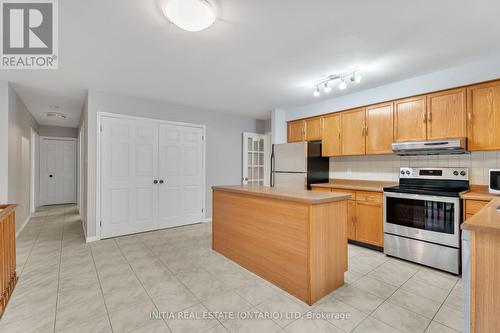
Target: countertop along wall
223,140
386,167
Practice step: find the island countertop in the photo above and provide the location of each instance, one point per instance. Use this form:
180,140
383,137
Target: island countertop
283,193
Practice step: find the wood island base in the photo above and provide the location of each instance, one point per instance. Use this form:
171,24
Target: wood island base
300,246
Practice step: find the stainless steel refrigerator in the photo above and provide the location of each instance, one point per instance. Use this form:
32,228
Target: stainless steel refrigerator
298,165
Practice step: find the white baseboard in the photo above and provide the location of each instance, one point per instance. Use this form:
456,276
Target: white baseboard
91,239
23,225
207,219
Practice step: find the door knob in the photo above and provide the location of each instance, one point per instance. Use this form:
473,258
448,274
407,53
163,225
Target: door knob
161,181
50,176
155,181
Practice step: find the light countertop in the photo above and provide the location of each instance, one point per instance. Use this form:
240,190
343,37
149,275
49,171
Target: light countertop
357,185
478,192
282,193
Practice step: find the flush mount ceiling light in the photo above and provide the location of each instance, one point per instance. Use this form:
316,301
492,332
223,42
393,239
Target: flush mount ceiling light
56,115
190,15
343,78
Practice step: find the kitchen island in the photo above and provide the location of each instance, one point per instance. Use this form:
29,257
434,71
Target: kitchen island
295,239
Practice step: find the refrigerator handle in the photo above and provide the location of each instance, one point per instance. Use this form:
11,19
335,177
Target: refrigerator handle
272,166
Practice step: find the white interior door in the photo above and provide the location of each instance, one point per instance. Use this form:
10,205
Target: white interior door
255,159
129,162
181,175
57,171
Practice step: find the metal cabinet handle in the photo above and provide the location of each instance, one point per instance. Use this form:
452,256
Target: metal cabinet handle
161,181
424,116
155,181
429,116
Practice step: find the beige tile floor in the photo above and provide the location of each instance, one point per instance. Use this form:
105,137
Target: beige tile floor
113,285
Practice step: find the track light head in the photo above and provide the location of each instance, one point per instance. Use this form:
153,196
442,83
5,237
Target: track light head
316,92
356,77
342,84
327,88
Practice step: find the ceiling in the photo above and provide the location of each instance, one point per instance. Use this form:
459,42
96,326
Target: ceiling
259,55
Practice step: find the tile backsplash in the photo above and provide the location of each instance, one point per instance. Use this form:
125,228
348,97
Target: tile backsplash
386,167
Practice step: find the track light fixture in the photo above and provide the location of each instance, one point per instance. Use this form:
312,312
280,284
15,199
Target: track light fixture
351,75
327,88
342,84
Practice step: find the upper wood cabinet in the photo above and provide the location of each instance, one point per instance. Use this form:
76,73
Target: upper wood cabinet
379,128
313,129
410,115
446,114
353,132
296,131
483,114
330,134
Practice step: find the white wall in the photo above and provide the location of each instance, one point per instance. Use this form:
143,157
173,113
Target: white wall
84,166
58,132
223,140
278,126
4,141
20,123
386,167
484,70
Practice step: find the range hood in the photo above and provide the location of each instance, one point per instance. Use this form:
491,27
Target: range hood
432,147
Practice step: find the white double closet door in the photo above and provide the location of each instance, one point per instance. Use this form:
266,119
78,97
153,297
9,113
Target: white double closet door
151,176
57,171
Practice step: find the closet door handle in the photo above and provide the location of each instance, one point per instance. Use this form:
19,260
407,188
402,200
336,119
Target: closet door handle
51,176
155,181
161,181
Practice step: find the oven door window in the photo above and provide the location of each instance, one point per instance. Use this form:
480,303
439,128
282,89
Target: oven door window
421,214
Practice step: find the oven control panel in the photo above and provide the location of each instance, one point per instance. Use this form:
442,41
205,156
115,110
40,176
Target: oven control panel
435,173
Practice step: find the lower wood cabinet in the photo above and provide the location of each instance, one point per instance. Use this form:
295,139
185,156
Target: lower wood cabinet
364,216
351,219
369,226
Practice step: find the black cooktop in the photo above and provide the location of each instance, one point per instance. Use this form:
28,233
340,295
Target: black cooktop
442,192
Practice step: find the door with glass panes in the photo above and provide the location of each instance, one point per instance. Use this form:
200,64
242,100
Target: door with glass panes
255,166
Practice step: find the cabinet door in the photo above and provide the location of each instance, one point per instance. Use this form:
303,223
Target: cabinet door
379,129
353,132
296,131
369,227
351,220
330,134
313,129
410,119
446,114
483,113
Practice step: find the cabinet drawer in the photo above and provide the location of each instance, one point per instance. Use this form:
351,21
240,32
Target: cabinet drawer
468,216
339,190
474,206
321,189
369,196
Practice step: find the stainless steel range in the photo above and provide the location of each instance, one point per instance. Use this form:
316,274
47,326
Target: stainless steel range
422,216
